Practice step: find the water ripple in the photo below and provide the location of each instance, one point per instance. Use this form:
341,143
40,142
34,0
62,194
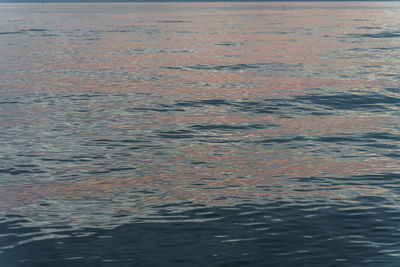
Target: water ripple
262,137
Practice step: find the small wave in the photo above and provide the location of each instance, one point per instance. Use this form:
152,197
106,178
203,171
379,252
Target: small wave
280,32
172,21
369,28
90,39
10,102
351,101
36,30
14,171
384,34
106,140
154,109
237,67
134,29
229,44
222,67
382,136
154,51
130,144
393,90
380,145
132,141
264,106
14,32
226,127
338,139
282,140
178,134
121,30
110,170
211,102
376,140
23,31
384,48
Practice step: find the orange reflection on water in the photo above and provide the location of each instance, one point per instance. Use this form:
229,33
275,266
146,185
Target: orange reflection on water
235,178
125,57
224,54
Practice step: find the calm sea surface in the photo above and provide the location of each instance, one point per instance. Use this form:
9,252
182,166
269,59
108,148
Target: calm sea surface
200,134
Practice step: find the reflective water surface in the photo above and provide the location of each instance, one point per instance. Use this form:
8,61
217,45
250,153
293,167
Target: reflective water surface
199,134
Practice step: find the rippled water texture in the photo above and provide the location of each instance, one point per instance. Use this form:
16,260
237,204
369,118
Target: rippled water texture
201,134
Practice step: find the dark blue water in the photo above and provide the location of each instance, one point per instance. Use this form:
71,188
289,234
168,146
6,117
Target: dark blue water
281,234
199,134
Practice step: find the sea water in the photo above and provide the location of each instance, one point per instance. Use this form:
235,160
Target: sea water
200,134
